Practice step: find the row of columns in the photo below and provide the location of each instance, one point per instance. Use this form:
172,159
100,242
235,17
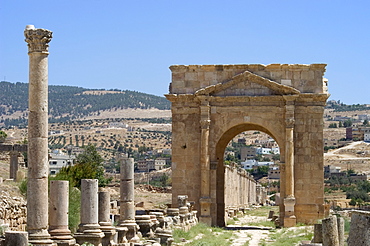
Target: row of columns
96,226
240,188
37,189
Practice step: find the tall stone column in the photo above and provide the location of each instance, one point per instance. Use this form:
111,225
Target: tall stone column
89,228
13,164
104,219
127,205
289,200
205,196
38,166
58,213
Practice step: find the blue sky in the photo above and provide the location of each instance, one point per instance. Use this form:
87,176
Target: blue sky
130,44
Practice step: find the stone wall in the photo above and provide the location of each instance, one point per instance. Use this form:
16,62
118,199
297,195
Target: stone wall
240,187
13,212
305,78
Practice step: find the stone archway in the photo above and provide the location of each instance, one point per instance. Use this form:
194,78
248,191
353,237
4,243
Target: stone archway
212,103
221,144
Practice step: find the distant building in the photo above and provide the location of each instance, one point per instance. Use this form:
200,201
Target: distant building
358,133
329,170
159,164
253,164
117,125
271,143
359,177
274,172
249,164
330,142
263,151
367,134
247,153
363,117
167,151
145,165
57,160
73,150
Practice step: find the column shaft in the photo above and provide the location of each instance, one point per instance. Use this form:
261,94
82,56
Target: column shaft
289,163
58,212
205,196
104,219
13,165
127,207
38,166
89,228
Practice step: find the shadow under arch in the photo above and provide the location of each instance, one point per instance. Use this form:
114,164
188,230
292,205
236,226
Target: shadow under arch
223,141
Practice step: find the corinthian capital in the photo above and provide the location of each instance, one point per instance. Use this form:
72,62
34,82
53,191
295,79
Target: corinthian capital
37,39
204,124
289,122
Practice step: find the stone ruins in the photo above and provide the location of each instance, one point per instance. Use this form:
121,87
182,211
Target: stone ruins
14,152
213,103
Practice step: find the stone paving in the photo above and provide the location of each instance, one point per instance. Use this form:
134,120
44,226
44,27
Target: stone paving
254,236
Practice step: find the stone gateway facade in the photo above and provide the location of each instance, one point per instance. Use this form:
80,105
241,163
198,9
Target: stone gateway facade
213,103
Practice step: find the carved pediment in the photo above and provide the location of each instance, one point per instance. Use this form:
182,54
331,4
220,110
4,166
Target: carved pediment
247,84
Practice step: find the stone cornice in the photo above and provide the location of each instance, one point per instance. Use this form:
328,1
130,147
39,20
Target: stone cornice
37,39
277,88
250,67
303,99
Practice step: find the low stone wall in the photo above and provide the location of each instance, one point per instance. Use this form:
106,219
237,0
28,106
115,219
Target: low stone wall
13,212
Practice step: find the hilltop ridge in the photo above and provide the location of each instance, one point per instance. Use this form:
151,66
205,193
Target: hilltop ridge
72,102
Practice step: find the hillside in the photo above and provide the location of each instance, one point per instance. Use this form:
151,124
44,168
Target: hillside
71,102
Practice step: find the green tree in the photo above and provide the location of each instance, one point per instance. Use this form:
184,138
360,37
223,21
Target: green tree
347,123
3,136
89,165
333,125
365,123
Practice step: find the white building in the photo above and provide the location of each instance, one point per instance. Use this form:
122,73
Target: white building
57,160
249,164
252,164
263,151
366,134
159,163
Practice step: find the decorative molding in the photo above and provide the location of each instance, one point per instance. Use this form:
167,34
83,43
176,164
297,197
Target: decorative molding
38,40
277,88
290,122
205,124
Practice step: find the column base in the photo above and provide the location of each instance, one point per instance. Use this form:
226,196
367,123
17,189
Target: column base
93,238
71,242
89,233
132,229
109,232
40,239
206,220
290,221
205,211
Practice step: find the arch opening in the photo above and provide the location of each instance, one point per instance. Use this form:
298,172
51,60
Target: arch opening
241,140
